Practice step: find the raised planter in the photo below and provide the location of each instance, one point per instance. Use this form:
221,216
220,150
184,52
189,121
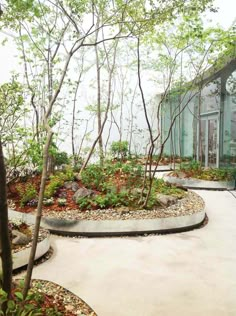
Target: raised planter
193,183
21,258
116,227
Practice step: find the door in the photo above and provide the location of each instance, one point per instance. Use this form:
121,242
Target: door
209,141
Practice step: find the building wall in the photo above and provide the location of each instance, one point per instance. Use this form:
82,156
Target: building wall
209,112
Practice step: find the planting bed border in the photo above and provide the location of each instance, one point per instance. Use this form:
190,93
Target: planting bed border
102,228
192,183
21,258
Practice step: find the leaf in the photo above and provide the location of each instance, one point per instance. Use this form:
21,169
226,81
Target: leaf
19,295
11,305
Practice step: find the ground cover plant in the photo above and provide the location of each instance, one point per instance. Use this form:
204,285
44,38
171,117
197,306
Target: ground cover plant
36,303
194,169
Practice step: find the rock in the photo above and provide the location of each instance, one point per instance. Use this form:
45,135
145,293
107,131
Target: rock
166,200
77,176
74,186
181,175
81,193
20,238
71,185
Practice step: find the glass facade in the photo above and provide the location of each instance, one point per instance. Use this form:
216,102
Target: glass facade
206,128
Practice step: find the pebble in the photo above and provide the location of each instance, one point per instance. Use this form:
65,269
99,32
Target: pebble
189,204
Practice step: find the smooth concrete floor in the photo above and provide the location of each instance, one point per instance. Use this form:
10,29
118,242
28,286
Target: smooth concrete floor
184,274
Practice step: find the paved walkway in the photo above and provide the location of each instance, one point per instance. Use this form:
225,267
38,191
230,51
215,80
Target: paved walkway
186,274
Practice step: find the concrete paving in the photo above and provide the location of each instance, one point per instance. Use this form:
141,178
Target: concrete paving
185,274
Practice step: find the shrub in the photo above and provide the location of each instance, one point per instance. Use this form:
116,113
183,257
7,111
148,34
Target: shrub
120,149
61,202
31,306
93,177
55,183
104,201
49,201
26,192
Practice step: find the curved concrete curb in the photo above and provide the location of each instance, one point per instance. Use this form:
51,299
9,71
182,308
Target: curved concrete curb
101,228
21,258
192,183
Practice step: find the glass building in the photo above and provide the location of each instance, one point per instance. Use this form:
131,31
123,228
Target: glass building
205,130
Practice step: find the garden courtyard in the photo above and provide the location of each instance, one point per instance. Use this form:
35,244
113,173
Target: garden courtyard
189,273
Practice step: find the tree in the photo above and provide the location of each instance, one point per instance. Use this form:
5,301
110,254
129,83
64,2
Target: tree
5,245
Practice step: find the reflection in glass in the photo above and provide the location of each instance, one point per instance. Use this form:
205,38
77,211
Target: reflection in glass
202,145
212,142
210,97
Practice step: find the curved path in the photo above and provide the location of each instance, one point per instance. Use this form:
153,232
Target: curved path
185,274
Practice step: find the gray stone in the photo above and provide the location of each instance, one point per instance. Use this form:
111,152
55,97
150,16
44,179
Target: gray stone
74,186
71,185
77,176
20,238
166,200
81,193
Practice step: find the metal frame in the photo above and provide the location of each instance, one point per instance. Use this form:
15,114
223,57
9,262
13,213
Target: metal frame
207,117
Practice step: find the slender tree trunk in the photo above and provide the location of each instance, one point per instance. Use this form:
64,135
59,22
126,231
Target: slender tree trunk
99,113
38,215
5,245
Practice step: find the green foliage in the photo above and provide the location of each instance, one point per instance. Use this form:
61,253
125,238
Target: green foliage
93,177
26,192
217,174
191,166
54,184
195,170
104,201
68,174
34,153
160,186
120,149
31,306
57,181
61,158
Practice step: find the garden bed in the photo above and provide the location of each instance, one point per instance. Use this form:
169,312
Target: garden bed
107,200
184,214
22,252
46,298
193,183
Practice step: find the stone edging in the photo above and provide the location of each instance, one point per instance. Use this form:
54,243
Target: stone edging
92,228
192,183
21,258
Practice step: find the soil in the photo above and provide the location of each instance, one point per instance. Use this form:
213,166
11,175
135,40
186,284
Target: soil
15,200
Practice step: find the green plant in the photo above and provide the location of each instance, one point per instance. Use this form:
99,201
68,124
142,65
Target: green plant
49,201
68,174
31,306
61,202
55,183
120,149
84,203
191,166
104,201
26,192
93,177
160,186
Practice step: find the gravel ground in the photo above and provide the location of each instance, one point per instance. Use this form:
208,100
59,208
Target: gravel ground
191,203
71,302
